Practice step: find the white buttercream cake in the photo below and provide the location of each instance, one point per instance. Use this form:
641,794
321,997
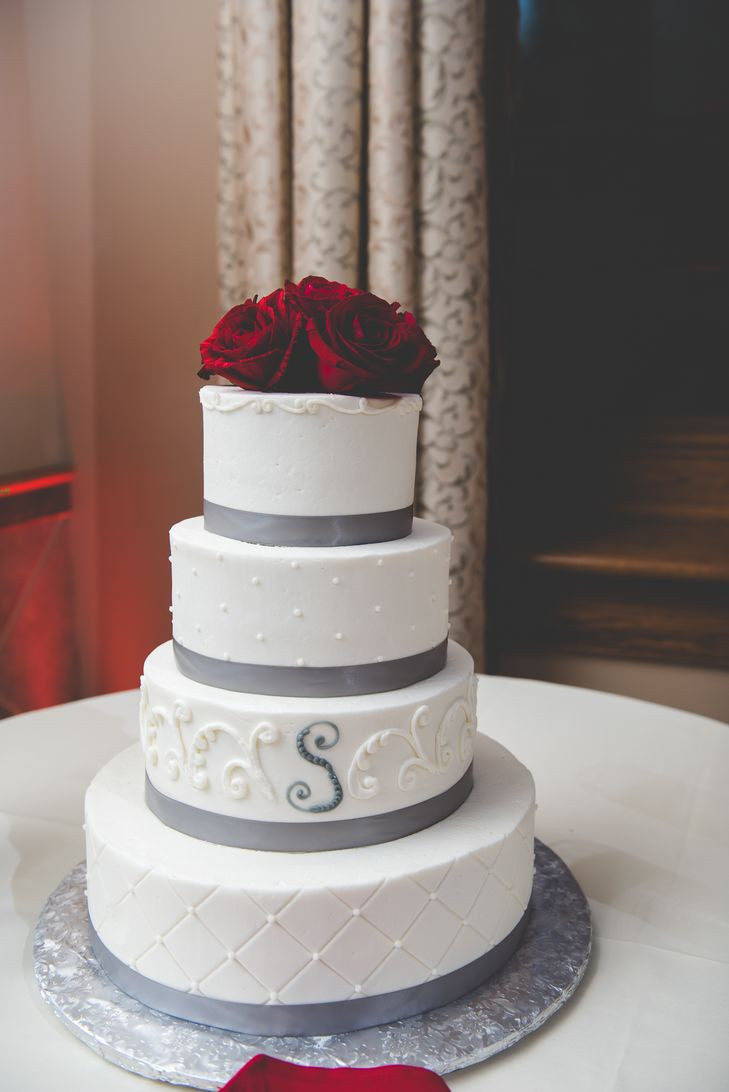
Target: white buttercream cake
312,836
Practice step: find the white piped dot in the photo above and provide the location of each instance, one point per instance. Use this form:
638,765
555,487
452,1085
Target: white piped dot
198,627
298,612
434,972
218,556
158,938
412,628
380,659
255,581
397,944
294,564
224,608
300,661
411,574
270,918
378,609
170,558
178,594
230,955
193,987
450,583
190,911
338,636
273,996
380,562
356,911
336,580
259,637
194,571
432,895
358,988
226,655
314,956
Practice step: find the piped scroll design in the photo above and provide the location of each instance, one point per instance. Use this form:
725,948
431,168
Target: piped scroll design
300,789
212,399
453,736
239,773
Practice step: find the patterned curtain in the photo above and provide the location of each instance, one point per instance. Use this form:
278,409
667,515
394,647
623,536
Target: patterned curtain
353,145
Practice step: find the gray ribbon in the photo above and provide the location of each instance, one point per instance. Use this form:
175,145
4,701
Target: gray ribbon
311,682
231,830
267,529
328,1018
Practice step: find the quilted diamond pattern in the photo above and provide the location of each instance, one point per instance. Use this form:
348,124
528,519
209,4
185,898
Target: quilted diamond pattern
394,907
232,917
460,887
432,933
316,980
230,982
486,912
157,963
356,950
107,872
194,948
314,918
397,971
159,902
279,947
273,957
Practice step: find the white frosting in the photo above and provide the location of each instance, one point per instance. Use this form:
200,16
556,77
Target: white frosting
236,754
298,928
317,606
308,455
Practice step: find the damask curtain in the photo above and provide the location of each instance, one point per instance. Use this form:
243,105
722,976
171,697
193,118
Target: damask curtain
352,145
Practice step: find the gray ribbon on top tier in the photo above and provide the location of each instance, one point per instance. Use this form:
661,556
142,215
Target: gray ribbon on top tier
266,529
311,682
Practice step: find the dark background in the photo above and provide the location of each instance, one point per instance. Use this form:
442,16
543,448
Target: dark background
609,434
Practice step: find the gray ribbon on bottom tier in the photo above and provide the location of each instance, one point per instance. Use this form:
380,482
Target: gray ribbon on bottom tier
306,837
267,529
321,1018
310,682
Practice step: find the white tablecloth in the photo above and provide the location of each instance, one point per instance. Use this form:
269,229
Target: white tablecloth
635,797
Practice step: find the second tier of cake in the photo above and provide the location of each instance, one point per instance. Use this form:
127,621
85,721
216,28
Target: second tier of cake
309,607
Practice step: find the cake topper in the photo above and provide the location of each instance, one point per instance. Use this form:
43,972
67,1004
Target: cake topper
319,336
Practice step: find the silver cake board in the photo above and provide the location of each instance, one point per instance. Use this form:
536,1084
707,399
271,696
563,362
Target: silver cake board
536,982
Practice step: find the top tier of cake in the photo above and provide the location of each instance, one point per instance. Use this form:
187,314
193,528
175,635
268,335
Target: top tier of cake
308,469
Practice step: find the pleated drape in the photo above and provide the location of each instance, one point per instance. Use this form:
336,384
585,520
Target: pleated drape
353,145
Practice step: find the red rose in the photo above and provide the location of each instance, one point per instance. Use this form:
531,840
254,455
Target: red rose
312,295
252,345
364,345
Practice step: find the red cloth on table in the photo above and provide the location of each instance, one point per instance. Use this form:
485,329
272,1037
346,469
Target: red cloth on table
264,1074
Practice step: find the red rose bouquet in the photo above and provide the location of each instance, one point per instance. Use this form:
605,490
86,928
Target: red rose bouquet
319,335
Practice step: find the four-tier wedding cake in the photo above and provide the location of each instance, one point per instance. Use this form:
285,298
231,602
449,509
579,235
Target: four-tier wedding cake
312,836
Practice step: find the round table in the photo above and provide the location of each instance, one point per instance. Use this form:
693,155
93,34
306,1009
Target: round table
633,796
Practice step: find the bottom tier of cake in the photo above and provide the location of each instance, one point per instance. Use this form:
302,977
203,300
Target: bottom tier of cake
307,944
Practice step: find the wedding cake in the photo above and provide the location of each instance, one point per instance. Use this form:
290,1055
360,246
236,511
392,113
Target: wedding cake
312,836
